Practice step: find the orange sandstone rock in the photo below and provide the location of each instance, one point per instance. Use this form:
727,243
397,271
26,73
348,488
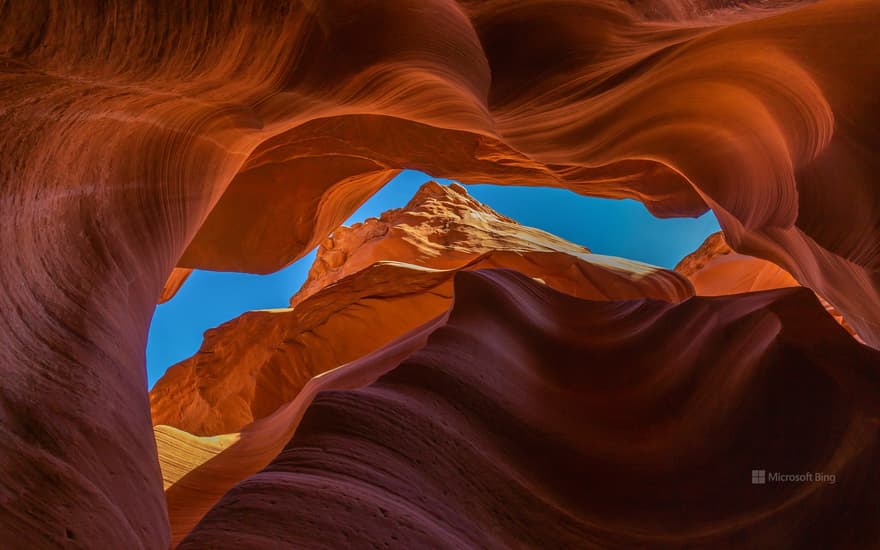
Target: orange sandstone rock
370,284
178,276
143,135
716,270
530,418
203,469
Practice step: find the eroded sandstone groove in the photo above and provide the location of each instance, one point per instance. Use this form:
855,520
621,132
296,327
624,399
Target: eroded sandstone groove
139,136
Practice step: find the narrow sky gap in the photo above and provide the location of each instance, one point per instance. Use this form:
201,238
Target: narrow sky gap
614,227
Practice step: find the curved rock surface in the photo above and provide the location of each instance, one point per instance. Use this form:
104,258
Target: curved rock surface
749,112
199,478
143,135
532,418
181,452
359,295
716,270
441,227
178,276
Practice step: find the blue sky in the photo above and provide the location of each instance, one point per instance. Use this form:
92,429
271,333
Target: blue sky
614,227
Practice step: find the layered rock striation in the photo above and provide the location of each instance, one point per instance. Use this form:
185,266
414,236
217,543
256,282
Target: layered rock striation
370,284
140,136
531,418
716,270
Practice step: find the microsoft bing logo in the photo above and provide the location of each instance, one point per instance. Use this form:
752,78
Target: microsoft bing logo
762,477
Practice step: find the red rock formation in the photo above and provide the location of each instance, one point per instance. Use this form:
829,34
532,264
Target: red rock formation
755,100
360,295
201,471
178,276
509,427
716,270
250,373
442,227
127,125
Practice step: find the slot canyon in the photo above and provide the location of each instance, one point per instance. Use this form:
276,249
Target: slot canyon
446,376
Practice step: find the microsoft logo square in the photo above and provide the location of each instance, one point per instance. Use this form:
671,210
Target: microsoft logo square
759,477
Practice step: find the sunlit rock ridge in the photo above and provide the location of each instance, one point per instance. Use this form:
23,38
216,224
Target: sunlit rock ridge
530,418
716,270
369,285
145,138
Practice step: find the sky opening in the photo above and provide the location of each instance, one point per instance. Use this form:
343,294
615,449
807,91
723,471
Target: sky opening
621,228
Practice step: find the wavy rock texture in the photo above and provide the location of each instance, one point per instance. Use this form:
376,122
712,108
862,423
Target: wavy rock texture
359,296
751,116
140,135
716,270
478,439
181,452
253,374
199,479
